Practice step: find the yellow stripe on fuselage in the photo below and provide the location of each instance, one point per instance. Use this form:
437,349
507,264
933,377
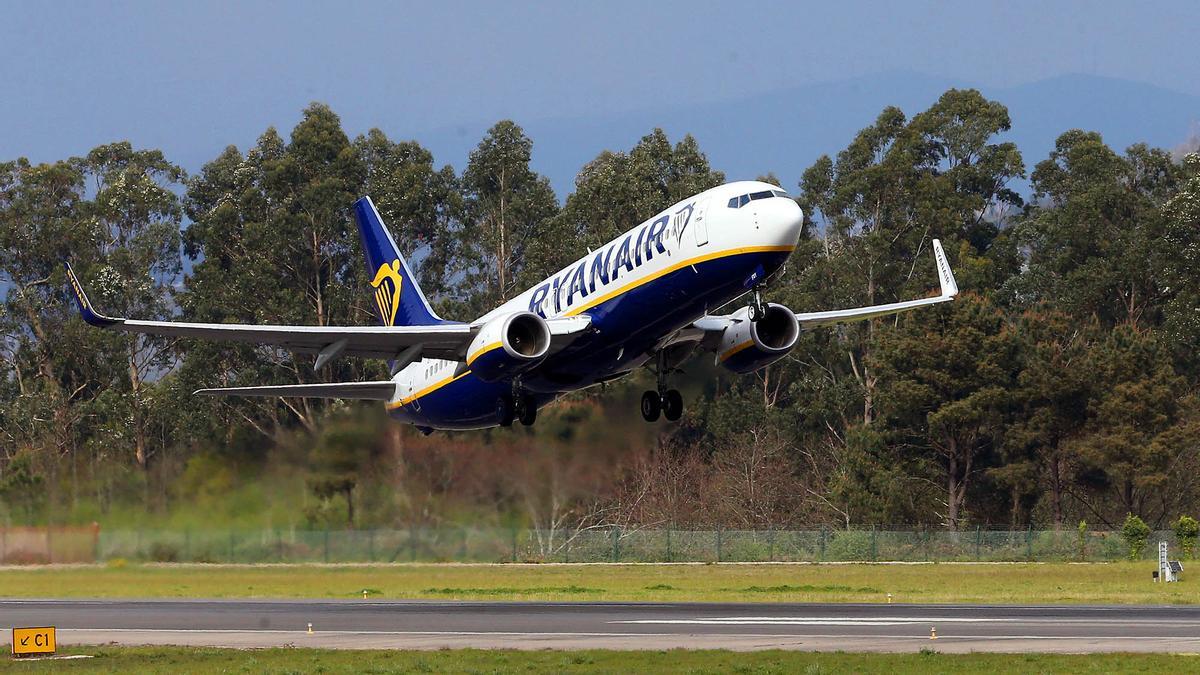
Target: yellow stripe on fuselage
605,298
427,390
674,268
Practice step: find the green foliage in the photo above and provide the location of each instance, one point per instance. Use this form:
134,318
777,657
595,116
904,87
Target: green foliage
1187,530
1061,384
1136,533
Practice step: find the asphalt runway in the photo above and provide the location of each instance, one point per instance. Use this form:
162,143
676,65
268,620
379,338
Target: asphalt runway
535,625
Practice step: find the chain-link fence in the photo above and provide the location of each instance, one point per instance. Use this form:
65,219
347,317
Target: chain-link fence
471,544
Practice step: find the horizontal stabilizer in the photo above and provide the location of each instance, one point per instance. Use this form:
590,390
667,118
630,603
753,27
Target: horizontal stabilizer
370,391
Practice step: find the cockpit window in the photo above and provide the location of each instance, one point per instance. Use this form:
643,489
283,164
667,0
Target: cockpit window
739,202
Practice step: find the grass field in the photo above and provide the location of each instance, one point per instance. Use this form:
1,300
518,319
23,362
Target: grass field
192,660
1104,583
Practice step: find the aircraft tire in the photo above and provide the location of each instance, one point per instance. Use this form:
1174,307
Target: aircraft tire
672,405
651,406
505,411
527,410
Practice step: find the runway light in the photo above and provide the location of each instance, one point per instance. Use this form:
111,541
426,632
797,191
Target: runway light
889,598
364,594
310,629
932,633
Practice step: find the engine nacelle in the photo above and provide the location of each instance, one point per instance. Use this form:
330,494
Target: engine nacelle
747,346
508,345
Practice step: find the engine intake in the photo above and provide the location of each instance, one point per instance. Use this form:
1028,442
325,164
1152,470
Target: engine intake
747,346
508,345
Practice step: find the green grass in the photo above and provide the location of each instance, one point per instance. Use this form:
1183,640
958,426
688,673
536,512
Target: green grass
1115,583
207,660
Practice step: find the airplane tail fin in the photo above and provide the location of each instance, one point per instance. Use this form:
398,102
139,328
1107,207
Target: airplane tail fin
398,298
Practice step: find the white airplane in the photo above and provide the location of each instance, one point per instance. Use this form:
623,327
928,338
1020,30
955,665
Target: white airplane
646,298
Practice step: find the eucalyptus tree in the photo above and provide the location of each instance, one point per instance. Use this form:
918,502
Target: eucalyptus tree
506,208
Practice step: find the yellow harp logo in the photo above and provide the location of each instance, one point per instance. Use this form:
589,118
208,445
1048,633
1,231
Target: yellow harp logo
387,285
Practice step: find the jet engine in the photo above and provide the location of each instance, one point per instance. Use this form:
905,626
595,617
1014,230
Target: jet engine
749,345
508,345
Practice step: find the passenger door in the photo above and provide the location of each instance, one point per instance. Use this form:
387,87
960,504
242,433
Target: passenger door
699,224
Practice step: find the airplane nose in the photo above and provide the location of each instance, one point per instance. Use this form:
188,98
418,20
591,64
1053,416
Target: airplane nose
787,220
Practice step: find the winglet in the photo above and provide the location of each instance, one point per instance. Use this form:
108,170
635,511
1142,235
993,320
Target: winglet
89,314
945,276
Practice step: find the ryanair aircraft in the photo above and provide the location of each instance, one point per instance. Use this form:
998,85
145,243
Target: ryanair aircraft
652,297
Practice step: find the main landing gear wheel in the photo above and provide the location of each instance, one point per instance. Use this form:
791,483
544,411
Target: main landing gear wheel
526,409
651,406
505,411
672,405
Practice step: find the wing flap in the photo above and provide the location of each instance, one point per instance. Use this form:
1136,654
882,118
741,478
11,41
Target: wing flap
368,391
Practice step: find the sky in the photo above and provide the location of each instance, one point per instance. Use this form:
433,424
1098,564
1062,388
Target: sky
192,77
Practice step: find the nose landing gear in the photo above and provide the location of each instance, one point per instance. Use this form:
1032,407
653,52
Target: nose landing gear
758,308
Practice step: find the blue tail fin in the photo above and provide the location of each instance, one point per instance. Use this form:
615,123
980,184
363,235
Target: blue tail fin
398,298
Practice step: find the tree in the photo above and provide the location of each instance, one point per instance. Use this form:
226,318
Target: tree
618,190
1096,231
137,216
419,203
945,380
338,459
507,206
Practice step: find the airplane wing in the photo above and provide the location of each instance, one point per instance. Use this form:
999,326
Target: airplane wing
405,344
369,391
949,289
715,325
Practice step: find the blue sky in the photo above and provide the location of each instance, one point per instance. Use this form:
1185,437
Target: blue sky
192,77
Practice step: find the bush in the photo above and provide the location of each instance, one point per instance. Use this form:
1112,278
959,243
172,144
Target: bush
848,545
1187,529
1136,532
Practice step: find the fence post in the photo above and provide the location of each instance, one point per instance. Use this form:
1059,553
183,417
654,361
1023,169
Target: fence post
371,545
978,542
718,543
279,545
771,543
231,544
187,544
824,542
874,545
668,542
616,543
412,542
514,543
1029,543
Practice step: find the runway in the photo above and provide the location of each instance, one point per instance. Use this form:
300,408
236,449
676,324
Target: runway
367,624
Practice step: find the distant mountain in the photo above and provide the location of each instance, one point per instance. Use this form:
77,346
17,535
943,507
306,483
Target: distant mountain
786,130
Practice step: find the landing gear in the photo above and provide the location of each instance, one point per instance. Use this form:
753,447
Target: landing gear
758,308
516,406
667,402
505,410
526,409
672,405
651,406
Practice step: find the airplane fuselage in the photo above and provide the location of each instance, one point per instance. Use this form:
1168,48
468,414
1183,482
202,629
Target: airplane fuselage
642,287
